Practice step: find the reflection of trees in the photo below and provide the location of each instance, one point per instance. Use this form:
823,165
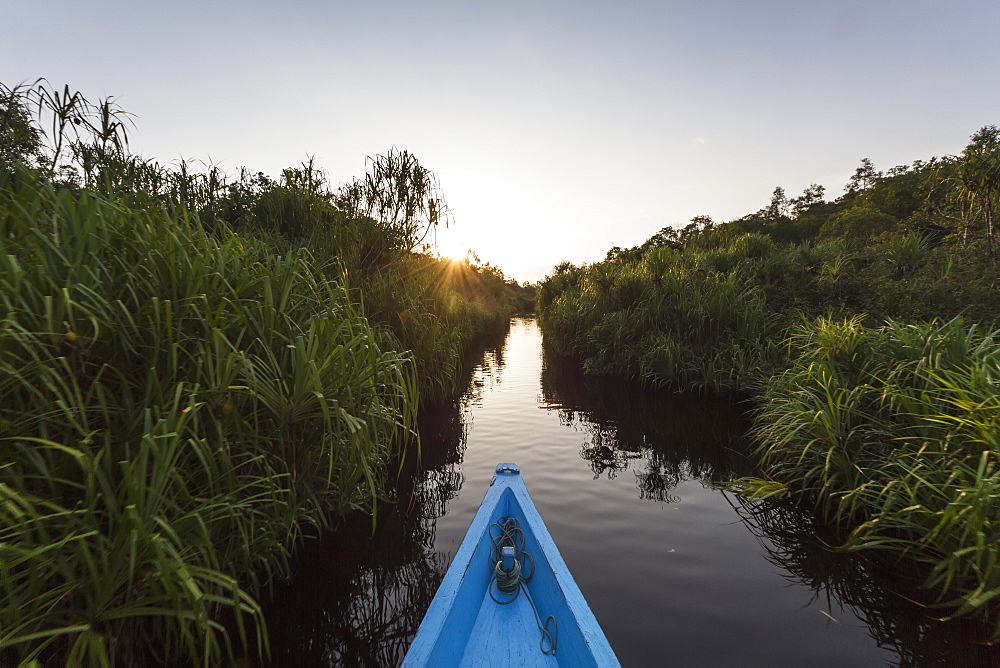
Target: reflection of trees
666,439
485,368
658,482
879,593
670,439
604,454
358,595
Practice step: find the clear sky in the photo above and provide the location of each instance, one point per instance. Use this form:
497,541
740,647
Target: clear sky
557,129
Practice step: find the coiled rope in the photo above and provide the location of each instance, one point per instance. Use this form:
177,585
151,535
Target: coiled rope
512,582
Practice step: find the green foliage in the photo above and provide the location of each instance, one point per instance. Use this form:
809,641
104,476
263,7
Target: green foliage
739,297
403,197
178,405
195,371
889,430
77,129
892,433
665,321
20,140
857,225
906,253
436,308
978,173
373,230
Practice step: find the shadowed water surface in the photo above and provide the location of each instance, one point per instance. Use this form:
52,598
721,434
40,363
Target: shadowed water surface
630,487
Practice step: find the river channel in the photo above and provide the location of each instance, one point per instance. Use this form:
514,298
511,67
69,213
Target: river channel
630,485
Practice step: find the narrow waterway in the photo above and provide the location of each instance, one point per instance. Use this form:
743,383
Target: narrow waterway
630,486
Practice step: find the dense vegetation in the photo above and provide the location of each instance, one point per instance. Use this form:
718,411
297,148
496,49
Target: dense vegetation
195,371
861,328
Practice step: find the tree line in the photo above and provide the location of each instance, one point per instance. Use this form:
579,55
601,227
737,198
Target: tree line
862,331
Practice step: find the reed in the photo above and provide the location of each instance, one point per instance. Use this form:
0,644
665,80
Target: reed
891,433
888,429
179,405
198,369
665,321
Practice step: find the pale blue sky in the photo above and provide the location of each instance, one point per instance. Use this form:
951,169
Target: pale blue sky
558,129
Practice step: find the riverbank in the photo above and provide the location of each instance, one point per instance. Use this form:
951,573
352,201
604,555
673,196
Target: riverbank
197,371
861,328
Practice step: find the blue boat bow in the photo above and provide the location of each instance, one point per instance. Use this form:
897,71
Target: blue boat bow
473,622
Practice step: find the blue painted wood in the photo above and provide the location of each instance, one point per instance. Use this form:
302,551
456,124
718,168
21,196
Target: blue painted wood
464,626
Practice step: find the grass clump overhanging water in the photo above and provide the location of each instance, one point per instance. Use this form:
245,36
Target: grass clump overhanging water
178,407
196,371
894,433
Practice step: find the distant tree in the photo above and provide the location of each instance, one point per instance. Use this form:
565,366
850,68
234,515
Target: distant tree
633,254
296,207
20,140
564,267
944,197
667,236
864,177
236,204
810,197
779,207
899,196
979,174
615,253
306,179
698,226
402,197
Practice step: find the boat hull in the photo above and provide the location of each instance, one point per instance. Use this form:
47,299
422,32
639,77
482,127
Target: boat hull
465,626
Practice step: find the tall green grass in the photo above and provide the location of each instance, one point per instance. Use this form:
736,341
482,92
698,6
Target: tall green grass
435,308
179,405
894,434
710,316
196,369
672,320
888,430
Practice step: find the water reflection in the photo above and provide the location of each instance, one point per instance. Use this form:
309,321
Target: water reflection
664,439
358,596
484,374
879,593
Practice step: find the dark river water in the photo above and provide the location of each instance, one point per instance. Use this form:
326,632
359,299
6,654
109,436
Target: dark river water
630,485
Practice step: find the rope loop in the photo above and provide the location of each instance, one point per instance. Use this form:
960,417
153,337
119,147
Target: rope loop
508,581
511,583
